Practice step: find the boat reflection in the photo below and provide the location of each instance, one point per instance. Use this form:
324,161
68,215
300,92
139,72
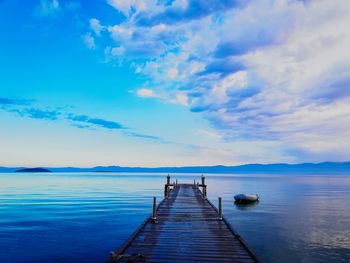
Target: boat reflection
246,206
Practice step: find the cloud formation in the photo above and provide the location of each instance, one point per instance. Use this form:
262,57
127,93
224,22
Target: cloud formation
84,119
47,8
8,101
145,136
53,8
146,93
27,109
39,114
89,41
96,26
263,69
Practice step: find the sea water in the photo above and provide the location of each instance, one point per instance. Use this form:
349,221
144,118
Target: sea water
70,217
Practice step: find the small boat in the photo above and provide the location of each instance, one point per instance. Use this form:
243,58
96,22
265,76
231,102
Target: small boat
246,198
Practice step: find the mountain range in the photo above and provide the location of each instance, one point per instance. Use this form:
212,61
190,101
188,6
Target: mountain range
282,168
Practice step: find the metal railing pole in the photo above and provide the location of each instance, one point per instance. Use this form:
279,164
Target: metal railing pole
220,208
154,209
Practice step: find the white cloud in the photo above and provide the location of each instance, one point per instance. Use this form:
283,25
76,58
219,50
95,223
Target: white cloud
51,8
127,7
96,26
182,4
47,8
89,41
121,33
209,134
180,98
174,98
146,93
117,51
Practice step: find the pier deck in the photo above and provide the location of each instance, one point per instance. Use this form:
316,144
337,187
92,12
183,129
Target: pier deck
187,228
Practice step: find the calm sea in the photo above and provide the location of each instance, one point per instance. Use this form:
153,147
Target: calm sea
82,217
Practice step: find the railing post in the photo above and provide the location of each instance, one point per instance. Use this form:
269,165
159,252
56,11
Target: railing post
168,179
204,187
167,186
176,182
154,210
194,181
220,208
166,190
203,179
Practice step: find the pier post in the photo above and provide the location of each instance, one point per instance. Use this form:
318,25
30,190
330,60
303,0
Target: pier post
168,179
154,210
203,179
204,186
167,186
167,194
220,208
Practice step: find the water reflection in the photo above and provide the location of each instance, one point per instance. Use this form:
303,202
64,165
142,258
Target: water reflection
246,206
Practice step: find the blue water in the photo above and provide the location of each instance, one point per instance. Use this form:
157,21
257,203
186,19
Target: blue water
82,217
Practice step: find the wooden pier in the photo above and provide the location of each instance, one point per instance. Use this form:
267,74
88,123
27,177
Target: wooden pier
185,227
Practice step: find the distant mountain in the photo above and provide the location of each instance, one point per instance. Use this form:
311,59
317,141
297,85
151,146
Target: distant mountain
33,170
280,168
9,170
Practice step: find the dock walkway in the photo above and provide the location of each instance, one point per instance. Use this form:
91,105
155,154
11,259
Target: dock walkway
186,228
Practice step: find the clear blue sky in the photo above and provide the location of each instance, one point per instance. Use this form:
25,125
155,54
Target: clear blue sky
173,82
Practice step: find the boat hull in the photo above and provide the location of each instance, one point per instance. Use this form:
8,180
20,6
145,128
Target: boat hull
246,198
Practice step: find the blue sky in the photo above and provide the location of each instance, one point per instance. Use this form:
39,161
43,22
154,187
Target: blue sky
182,82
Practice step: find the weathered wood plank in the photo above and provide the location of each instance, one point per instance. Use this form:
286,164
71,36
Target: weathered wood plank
187,230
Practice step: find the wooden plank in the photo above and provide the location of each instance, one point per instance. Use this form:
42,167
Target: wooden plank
187,230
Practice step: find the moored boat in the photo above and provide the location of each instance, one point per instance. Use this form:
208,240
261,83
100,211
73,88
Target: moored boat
246,198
